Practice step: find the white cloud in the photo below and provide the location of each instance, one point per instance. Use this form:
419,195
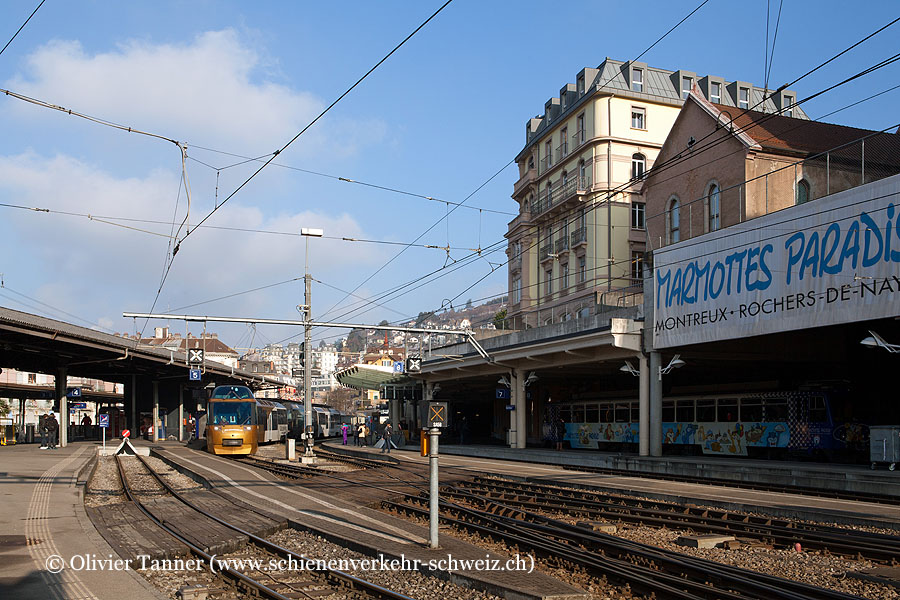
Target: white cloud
88,267
209,91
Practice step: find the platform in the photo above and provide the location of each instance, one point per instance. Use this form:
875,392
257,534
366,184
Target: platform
546,466
43,519
357,527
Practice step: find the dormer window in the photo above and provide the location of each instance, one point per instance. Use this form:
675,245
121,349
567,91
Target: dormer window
744,98
579,85
686,84
715,92
788,106
637,80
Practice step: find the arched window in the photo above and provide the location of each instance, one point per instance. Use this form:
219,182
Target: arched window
638,166
802,191
714,209
674,230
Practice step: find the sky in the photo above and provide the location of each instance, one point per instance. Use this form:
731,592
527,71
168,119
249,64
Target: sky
443,117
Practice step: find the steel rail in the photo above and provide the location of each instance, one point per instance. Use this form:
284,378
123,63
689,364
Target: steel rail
879,547
544,531
207,558
341,576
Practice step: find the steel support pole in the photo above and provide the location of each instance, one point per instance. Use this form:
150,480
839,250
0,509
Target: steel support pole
434,499
644,405
155,411
521,411
180,412
61,384
307,366
655,405
135,426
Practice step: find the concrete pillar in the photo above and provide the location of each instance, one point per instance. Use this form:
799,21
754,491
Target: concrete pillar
394,411
644,404
61,384
655,406
155,411
517,421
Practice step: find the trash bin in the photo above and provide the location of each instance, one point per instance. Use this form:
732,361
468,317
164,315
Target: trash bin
29,433
884,445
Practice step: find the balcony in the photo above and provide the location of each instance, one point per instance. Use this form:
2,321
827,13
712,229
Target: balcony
562,244
578,139
578,186
562,151
523,182
579,236
546,163
545,252
515,263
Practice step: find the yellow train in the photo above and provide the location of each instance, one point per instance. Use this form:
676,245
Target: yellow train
237,422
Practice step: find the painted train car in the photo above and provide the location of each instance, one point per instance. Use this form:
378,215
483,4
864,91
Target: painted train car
771,424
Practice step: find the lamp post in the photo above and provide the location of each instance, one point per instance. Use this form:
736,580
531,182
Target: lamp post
876,341
308,455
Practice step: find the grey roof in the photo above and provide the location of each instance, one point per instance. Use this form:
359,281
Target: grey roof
659,85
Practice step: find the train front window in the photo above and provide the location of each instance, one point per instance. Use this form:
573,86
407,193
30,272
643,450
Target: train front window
231,392
232,413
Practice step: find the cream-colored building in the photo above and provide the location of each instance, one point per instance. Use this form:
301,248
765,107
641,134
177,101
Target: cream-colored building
579,238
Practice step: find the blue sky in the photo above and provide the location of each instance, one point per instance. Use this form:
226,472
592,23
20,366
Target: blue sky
438,118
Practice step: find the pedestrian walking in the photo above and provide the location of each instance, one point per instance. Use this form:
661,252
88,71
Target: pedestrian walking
386,434
52,429
345,429
361,435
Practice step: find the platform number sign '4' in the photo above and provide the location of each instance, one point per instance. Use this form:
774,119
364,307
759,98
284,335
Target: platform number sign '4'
195,356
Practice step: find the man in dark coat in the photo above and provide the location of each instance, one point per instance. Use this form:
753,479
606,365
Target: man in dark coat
52,426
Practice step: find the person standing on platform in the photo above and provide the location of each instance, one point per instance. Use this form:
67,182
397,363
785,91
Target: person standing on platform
52,429
345,429
361,435
560,432
42,425
386,434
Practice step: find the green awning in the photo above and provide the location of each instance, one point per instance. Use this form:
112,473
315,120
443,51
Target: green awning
369,377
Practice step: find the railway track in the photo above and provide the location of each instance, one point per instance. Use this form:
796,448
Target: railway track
644,569
249,578
655,513
759,486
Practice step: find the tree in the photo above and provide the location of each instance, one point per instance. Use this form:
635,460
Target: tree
500,319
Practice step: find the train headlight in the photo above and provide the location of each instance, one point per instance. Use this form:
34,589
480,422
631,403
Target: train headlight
246,427
216,428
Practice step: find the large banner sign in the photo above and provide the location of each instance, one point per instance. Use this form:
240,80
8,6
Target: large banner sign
833,260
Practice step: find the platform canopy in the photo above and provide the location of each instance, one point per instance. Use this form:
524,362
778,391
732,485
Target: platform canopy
369,377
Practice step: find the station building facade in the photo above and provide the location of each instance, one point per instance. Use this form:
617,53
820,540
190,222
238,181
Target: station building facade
578,240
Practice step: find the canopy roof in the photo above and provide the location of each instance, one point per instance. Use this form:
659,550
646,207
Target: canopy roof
369,377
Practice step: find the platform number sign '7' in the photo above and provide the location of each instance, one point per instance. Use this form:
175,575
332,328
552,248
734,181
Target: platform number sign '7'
437,414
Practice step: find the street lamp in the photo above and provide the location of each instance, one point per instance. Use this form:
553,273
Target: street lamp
675,363
629,368
308,455
503,381
532,377
876,341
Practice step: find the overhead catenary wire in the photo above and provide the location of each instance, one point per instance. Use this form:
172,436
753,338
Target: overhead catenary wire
319,116
22,27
